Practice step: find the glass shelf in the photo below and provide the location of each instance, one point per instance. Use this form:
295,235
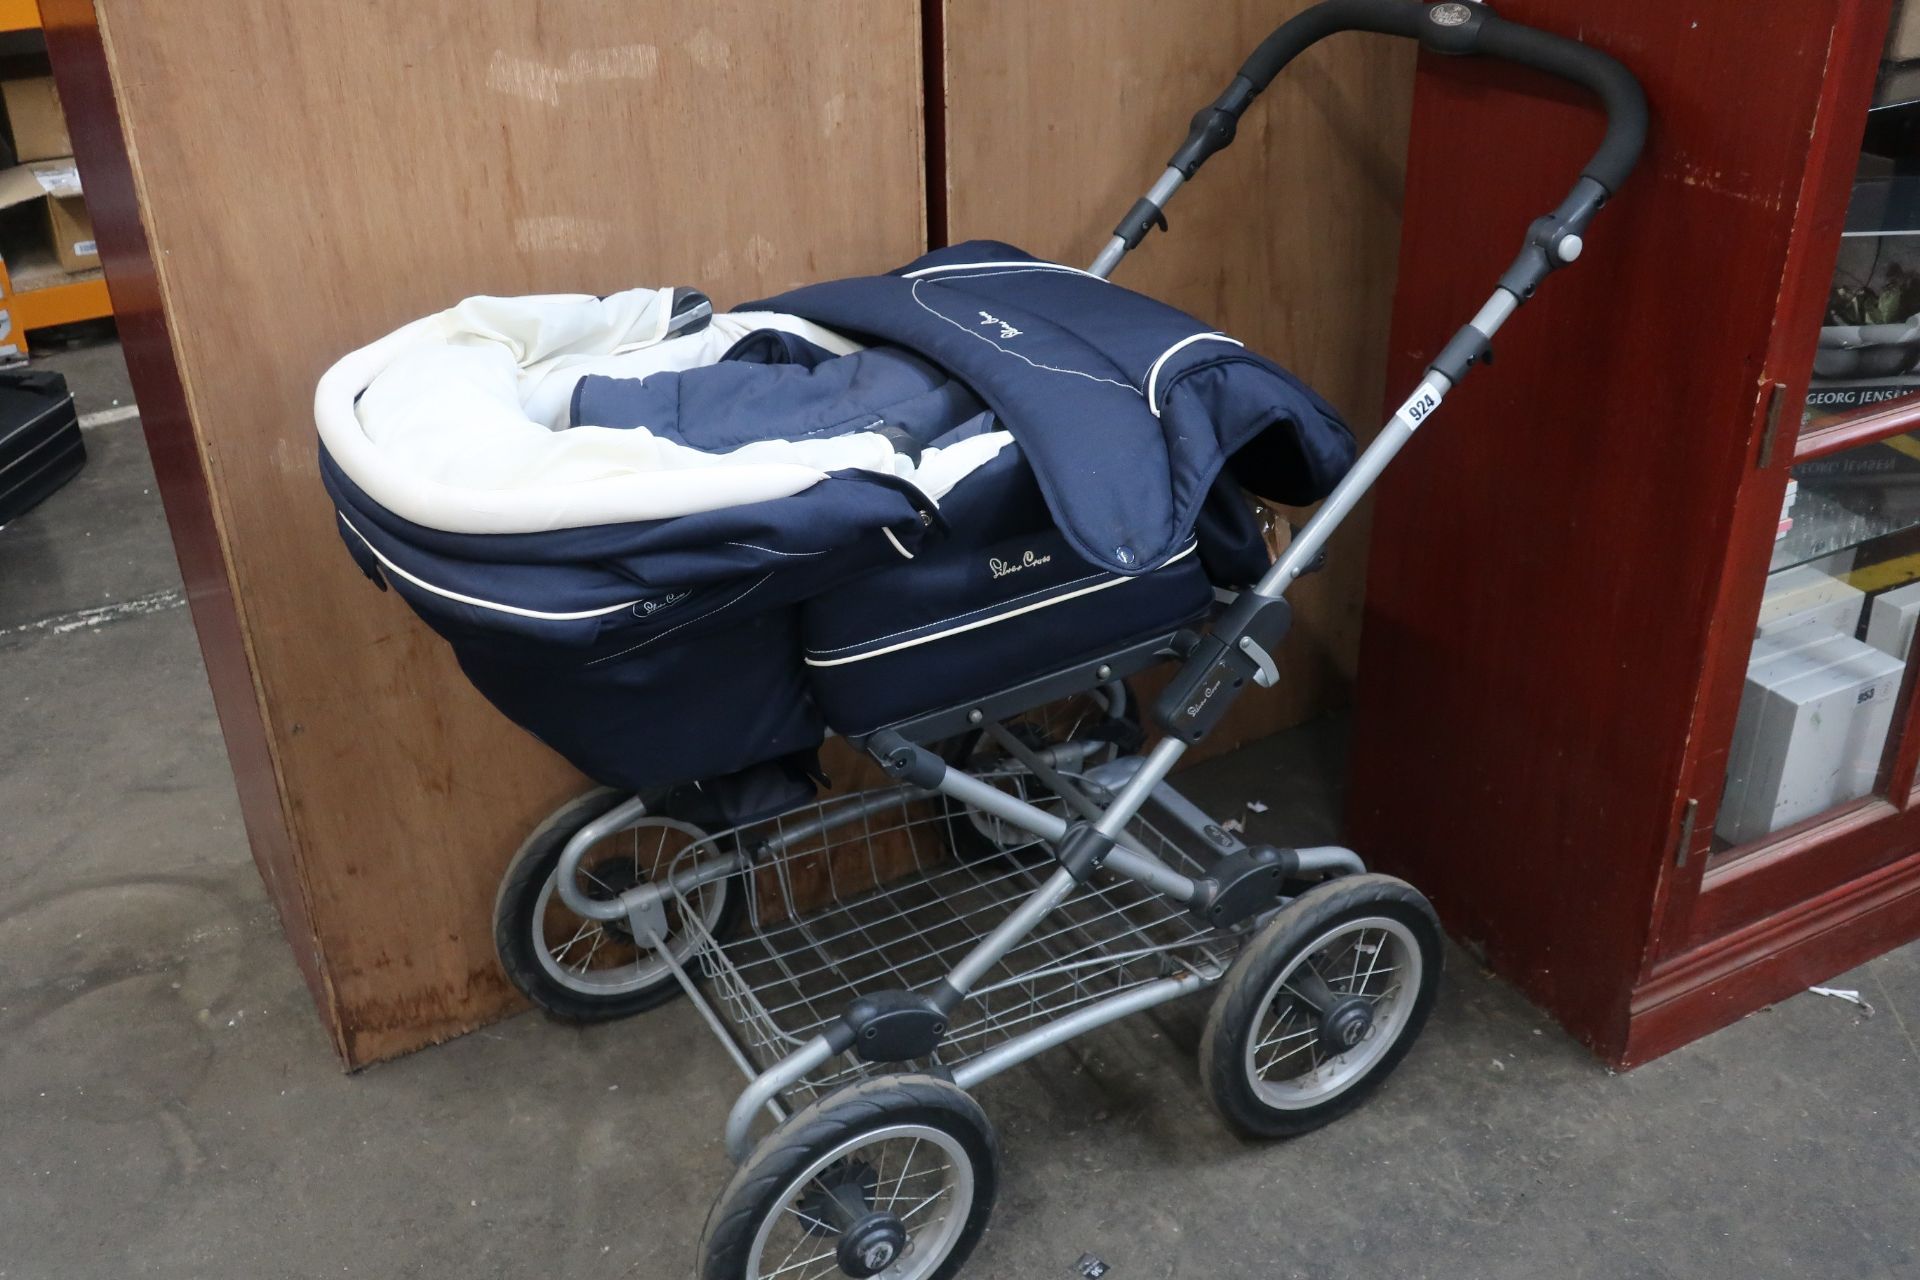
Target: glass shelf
1846,499
1869,344
1823,527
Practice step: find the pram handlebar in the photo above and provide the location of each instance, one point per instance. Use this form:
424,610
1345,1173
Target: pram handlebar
1458,28
1452,27
1234,652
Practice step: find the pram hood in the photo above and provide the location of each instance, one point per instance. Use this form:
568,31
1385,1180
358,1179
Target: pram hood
458,422
1126,408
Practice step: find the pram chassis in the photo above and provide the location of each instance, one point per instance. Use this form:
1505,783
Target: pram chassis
1212,891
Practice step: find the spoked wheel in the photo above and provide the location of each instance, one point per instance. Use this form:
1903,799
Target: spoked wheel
587,970
1107,715
892,1177
1321,1005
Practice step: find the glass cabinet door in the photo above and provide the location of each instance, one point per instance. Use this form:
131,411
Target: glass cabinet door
1827,688
1869,351
1827,670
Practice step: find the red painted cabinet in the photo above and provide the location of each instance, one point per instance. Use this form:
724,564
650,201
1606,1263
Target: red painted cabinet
1636,702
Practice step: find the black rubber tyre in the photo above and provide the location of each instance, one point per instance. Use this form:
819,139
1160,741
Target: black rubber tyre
766,1182
519,898
1248,995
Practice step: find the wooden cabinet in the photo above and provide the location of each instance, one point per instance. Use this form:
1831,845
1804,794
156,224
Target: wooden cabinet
1569,730
271,198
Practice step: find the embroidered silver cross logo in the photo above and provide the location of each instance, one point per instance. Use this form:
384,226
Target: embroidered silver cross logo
1028,560
1006,330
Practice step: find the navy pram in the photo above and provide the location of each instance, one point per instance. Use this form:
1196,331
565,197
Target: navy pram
676,546
945,511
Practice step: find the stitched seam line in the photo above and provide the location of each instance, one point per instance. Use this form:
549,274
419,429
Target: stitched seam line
446,593
678,625
998,605
754,546
914,293
985,608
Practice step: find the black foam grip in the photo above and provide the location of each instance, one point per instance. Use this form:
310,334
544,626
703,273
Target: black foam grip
1606,79
1486,33
1310,26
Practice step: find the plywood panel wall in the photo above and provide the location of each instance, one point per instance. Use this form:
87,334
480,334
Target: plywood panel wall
1059,116
313,175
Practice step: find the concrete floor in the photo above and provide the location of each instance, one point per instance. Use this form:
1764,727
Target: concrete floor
169,1106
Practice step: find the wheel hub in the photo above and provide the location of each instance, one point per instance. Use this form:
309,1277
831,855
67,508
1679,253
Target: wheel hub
608,881
839,1198
1345,1024
871,1245
840,1202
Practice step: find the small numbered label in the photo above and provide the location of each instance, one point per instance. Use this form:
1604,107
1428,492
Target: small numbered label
1420,405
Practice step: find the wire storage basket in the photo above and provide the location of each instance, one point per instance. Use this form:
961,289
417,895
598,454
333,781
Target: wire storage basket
889,889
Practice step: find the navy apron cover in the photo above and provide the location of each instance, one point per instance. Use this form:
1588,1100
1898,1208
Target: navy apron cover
647,653
1127,409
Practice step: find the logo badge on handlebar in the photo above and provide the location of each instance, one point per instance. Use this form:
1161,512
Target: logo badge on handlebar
1449,15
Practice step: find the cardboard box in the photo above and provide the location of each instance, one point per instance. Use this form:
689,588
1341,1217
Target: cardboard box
1804,594
72,233
1903,43
39,126
55,184
1890,626
1813,725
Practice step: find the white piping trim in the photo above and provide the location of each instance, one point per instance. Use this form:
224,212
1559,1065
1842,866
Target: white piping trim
963,266
424,585
1153,373
1035,594
987,622
754,546
896,542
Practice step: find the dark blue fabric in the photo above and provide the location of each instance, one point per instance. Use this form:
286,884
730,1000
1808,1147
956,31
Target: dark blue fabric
666,573
1063,359
776,346
720,407
638,715
669,650
960,622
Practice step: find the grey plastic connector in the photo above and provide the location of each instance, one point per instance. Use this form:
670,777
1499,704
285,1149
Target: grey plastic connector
905,761
1082,850
1555,240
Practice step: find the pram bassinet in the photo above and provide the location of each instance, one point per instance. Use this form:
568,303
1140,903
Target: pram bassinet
678,555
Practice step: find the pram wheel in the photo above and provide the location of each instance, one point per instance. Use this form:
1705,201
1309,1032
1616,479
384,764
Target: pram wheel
1107,719
891,1177
1321,1005
585,970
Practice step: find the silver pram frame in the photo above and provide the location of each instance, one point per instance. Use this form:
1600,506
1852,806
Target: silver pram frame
863,1005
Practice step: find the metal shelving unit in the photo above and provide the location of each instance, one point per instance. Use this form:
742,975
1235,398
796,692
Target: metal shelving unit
32,296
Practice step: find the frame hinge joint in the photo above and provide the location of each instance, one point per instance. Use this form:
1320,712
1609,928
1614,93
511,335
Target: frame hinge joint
1687,816
1776,404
